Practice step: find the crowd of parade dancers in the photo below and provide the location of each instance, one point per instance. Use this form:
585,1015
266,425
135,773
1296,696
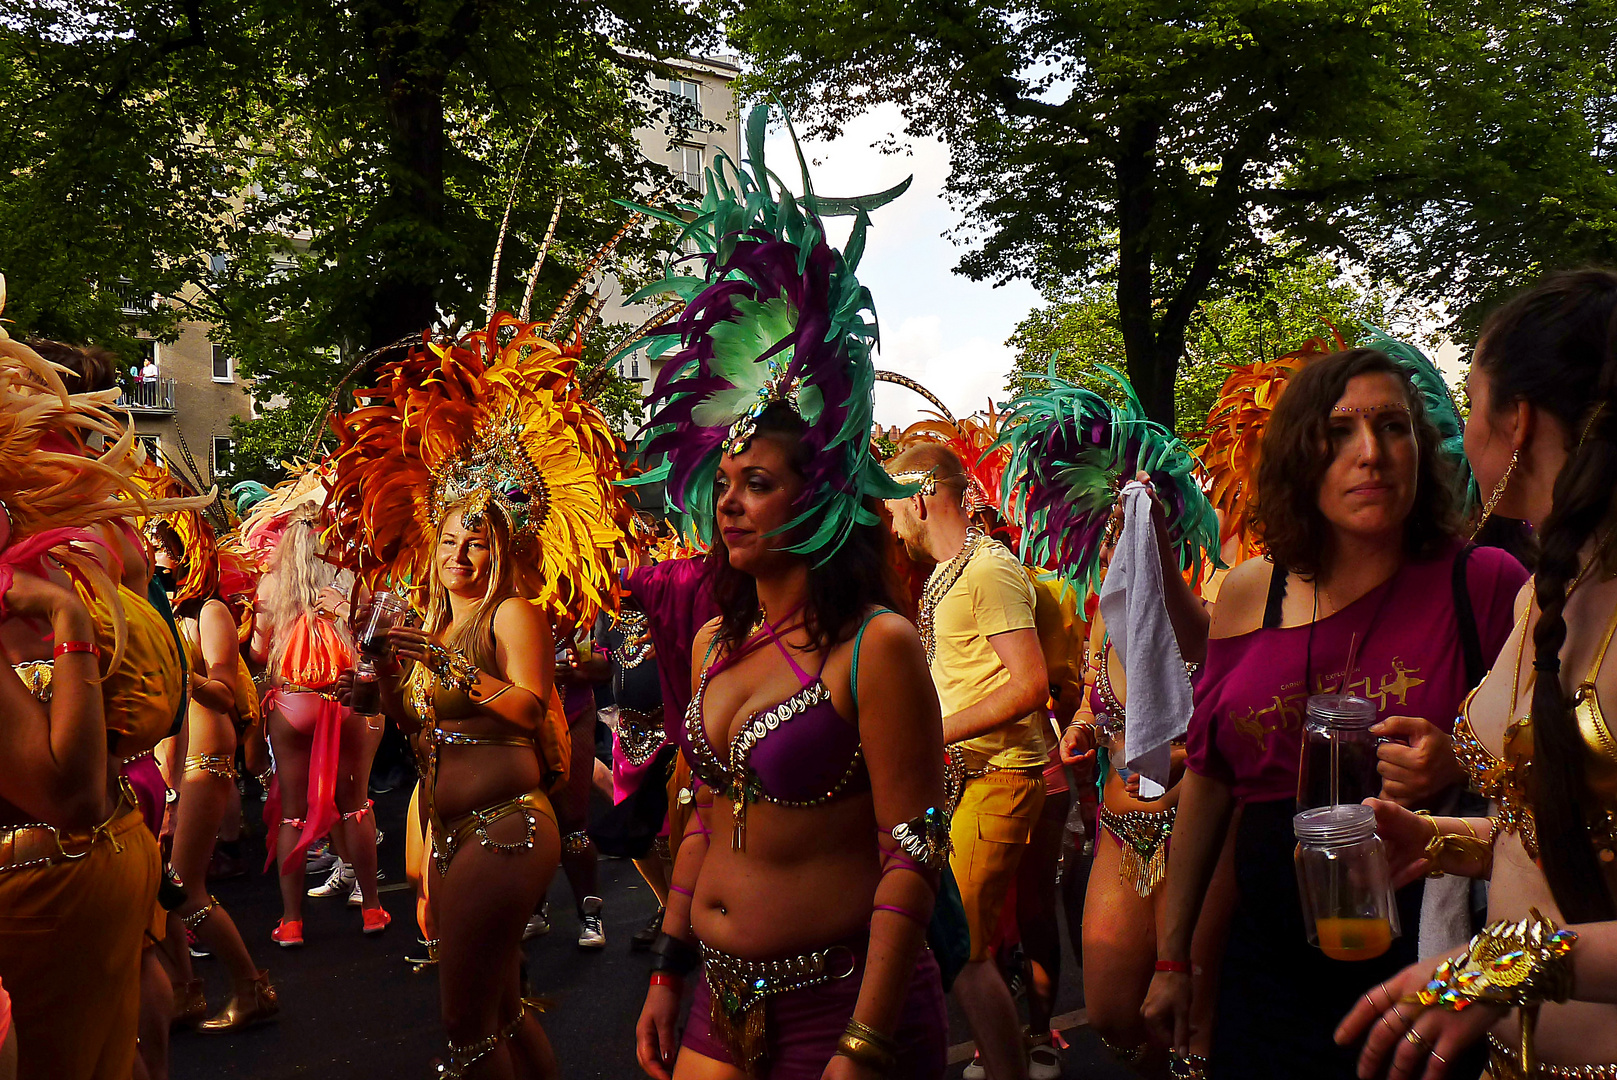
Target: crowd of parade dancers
1319,774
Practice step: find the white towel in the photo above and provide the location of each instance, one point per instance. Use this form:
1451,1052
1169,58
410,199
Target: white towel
1131,600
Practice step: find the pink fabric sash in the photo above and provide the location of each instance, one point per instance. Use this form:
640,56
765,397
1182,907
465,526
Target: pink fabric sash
325,716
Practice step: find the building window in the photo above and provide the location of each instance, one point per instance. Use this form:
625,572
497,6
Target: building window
634,367
221,365
690,165
684,90
153,448
222,448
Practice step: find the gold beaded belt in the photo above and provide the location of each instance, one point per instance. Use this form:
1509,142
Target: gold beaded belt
1505,1063
27,847
740,987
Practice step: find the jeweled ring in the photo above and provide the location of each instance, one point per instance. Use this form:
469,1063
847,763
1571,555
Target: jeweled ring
1414,1037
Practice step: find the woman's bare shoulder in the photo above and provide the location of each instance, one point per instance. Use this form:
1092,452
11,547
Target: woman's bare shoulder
1241,599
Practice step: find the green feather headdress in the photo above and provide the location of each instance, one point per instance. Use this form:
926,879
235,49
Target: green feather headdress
1071,453
775,315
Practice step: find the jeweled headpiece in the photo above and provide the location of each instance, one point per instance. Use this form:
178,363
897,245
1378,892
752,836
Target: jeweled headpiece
774,315
1071,452
975,441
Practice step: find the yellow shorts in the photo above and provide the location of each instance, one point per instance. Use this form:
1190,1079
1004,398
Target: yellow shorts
990,831
70,942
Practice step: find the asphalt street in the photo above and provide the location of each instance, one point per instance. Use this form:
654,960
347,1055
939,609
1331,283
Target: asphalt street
351,1007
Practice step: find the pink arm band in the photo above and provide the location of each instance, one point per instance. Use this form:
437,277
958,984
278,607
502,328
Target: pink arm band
902,911
682,892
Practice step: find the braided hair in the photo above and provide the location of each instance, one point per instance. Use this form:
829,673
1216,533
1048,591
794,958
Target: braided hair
1555,347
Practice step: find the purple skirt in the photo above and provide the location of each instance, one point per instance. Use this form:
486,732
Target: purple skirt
803,1026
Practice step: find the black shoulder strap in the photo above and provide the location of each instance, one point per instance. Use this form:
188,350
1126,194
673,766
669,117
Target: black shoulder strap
1277,596
1466,618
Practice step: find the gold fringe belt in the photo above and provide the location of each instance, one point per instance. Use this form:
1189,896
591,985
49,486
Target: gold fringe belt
1143,836
741,987
28,847
1505,1063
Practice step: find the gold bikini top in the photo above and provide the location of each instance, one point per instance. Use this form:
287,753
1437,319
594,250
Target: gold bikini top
1506,780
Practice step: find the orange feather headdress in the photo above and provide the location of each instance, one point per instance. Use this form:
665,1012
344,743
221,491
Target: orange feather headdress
493,422
1230,442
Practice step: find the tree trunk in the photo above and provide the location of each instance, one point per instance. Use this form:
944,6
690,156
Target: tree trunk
1149,368
412,66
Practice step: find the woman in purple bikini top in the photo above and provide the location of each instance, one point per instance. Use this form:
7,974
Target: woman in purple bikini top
806,875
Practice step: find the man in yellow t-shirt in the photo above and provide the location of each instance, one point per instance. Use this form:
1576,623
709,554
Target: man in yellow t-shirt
977,622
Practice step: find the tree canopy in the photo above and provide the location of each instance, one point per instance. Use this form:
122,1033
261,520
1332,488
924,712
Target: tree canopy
1169,148
1277,312
315,178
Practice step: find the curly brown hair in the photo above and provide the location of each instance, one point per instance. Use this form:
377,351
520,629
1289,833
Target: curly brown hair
1286,516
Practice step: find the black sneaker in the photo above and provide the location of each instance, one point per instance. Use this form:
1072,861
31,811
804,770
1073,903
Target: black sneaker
642,940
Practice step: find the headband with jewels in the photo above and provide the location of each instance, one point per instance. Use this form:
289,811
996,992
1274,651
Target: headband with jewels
1071,452
772,315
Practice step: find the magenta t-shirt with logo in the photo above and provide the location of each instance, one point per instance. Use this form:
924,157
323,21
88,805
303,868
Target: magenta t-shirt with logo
1250,696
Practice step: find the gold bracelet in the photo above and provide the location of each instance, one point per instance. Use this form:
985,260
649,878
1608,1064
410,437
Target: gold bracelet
453,669
864,1045
1514,964
1467,848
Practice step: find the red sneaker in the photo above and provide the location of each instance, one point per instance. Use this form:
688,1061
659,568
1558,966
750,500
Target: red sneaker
288,933
376,919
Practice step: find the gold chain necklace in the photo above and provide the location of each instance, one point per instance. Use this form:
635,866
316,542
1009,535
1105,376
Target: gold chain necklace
938,586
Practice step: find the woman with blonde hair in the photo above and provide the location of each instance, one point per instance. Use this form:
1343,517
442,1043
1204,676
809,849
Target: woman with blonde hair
479,476
319,745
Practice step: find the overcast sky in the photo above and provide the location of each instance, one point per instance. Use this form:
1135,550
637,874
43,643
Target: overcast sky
941,329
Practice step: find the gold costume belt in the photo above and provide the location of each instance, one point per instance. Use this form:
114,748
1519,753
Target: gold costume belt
1504,1063
221,765
450,836
957,769
740,987
1143,836
28,847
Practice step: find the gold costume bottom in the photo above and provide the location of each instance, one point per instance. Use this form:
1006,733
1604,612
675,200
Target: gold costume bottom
1143,836
221,765
448,837
73,912
1505,1063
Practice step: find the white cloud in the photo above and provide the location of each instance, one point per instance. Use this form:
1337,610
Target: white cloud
938,327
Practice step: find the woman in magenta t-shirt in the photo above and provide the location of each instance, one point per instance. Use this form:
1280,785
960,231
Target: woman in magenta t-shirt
1356,508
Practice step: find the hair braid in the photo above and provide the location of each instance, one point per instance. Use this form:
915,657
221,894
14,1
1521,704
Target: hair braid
1556,347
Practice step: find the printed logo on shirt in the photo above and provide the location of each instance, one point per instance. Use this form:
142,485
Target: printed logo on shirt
1285,711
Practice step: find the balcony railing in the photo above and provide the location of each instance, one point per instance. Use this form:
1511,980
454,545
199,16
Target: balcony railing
131,301
148,396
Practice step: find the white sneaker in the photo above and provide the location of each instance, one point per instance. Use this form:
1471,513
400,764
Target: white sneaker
355,897
338,883
592,935
975,1070
539,924
1044,1063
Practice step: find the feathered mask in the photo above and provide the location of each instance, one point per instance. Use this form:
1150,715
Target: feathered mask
1071,451
775,315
